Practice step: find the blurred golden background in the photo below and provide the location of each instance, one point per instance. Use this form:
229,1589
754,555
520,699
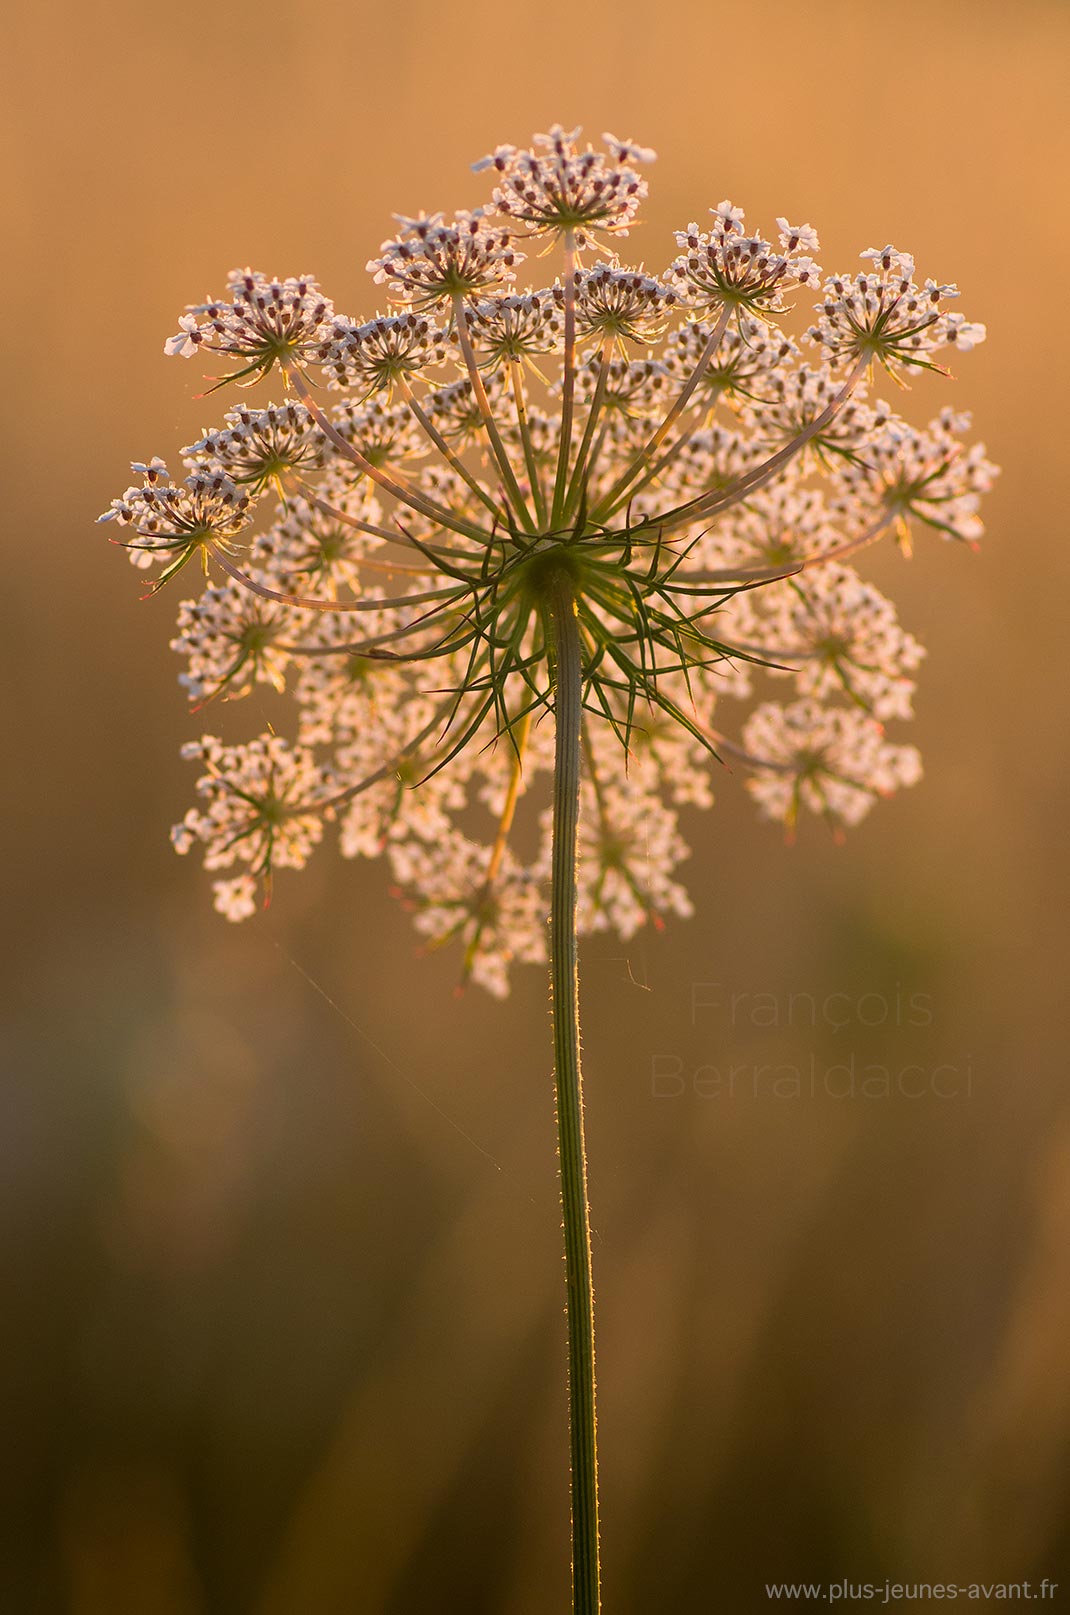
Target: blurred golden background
280,1339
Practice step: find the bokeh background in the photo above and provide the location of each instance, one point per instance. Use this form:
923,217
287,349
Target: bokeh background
283,1307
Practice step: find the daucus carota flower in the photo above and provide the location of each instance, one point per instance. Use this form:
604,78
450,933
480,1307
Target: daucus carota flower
175,522
231,640
431,262
262,323
833,761
561,187
619,305
538,558
836,635
724,269
925,476
382,353
257,446
513,328
746,362
262,806
881,314
660,442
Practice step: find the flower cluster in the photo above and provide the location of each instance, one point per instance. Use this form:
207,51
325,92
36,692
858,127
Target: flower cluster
560,189
264,323
431,262
883,315
261,809
382,353
698,467
726,269
174,522
259,445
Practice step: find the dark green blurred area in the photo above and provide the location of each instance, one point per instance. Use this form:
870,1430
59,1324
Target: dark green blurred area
283,1309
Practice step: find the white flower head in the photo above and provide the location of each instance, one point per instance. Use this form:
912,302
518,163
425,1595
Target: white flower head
652,446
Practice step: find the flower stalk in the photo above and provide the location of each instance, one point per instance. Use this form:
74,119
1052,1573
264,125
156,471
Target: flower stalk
613,460
568,379
572,1155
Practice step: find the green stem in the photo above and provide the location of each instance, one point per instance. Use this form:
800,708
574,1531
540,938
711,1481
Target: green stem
580,477
568,710
509,483
397,486
644,459
717,500
568,380
444,449
517,379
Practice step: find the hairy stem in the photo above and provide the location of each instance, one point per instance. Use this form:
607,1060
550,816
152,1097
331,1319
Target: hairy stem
451,459
577,485
643,460
312,603
568,380
569,1096
721,499
396,486
510,485
517,381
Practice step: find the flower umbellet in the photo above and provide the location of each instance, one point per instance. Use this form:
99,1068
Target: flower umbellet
574,535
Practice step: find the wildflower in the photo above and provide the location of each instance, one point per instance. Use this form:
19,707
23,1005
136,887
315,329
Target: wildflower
615,304
265,323
745,362
431,262
806,400
345,697
235,898
513,329
231,639
262,806
383,352
258,446
725,270
714,458
632,389
836,634
834,761
456,409
927,476
559,188
883,316
535,548
314,550
657,443
778,530
176,521
630,844
388,434
497,922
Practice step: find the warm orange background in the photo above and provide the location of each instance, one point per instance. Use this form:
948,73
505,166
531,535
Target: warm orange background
283,1341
